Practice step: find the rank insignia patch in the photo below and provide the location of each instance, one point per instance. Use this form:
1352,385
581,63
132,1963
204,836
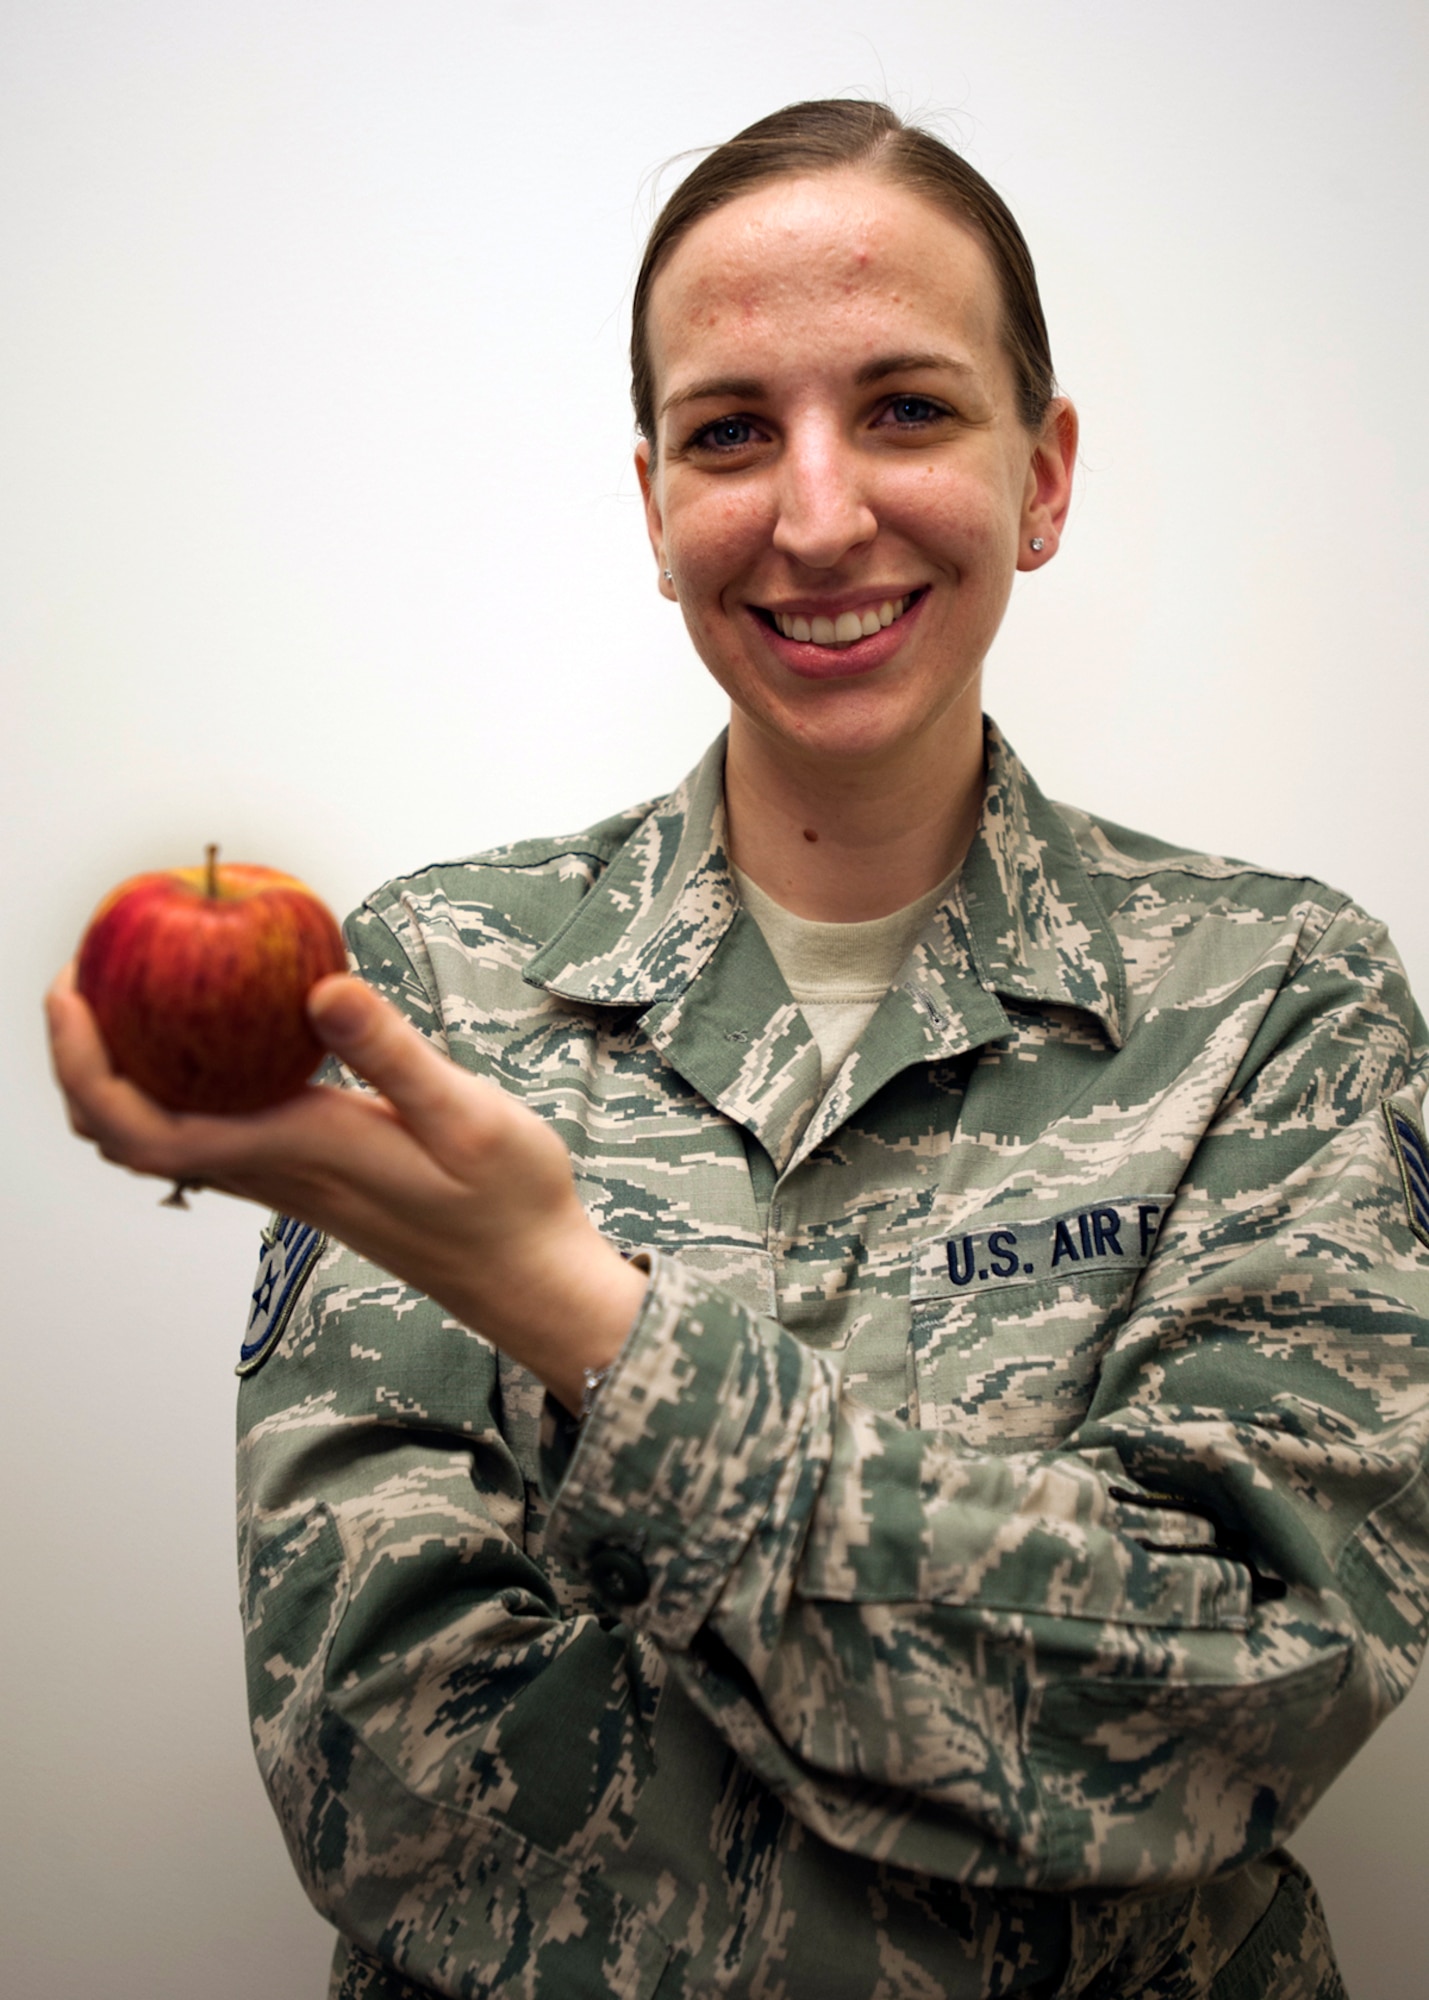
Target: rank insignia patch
290,1249
1406,1135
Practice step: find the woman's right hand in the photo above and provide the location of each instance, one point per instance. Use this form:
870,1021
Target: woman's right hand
436,1175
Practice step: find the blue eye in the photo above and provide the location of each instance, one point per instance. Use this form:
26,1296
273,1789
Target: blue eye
728,434
915,410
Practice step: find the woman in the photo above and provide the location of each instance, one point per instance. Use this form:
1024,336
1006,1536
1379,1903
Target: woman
935,1493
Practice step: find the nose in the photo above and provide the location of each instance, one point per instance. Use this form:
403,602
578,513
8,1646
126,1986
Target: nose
824,510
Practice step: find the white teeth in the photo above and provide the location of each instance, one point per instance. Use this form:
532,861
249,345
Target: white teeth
846,628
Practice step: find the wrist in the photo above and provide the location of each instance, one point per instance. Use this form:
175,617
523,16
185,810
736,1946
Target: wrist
593,1329
566,1305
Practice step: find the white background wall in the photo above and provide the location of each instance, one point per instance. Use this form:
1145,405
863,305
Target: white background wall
318,537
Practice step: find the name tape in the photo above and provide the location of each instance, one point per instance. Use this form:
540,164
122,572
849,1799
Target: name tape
1099,1237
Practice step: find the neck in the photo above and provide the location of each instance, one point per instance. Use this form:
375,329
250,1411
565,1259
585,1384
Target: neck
850,840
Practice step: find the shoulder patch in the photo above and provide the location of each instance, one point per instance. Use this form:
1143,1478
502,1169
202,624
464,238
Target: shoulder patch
1411,1151
289,1251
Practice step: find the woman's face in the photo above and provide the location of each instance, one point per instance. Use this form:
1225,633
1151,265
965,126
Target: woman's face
839,453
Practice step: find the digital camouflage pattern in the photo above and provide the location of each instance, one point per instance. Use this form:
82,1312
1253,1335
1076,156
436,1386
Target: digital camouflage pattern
1006,1516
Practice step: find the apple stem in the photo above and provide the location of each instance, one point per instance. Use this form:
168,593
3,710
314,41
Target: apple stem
210,861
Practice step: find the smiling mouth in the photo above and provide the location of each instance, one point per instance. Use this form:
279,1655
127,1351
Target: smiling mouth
845,630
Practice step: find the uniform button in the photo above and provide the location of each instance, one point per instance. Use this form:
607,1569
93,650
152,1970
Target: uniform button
619,1575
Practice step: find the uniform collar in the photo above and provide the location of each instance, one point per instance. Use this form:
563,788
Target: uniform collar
654,918
1024,918
1037,928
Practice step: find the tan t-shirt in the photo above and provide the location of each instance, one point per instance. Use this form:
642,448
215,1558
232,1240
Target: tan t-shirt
838,973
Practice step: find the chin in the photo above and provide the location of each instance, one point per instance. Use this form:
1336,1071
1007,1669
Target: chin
850,730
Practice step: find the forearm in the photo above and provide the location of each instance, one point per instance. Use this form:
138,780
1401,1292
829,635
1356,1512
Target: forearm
1019,1669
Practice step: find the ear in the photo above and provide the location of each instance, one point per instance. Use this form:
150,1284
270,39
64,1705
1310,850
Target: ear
1049,484
654,521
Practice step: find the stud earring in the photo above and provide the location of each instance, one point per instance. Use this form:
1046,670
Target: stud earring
668,576
1036,545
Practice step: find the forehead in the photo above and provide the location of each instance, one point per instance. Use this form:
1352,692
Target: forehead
837,266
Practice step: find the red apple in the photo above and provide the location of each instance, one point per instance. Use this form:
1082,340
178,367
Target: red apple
197,978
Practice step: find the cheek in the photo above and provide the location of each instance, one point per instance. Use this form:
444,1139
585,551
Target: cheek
714,536
959,516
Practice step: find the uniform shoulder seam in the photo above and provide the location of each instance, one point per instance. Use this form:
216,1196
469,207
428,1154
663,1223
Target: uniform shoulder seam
598,844
1090,831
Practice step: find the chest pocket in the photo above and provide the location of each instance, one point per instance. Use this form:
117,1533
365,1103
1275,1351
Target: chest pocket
1009,1322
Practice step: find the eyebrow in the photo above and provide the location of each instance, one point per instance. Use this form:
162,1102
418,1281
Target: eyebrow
739,388
908,364
747,388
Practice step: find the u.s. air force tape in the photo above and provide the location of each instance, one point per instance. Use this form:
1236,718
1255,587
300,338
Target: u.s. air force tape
1100,1236
1411,1152
289,1251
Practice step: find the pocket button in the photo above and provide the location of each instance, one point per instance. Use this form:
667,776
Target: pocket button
618,1575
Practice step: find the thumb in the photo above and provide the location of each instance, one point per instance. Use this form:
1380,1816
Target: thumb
344,1013
365,1031
444,1109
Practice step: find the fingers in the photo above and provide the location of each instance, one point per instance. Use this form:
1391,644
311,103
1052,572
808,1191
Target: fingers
57,1029
128,1126
77,1053
63,981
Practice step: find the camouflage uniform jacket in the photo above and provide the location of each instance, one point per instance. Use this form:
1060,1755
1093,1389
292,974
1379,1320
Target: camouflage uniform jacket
1007,1513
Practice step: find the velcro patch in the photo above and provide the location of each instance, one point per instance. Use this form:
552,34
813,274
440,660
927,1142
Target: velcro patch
290,1249
1411,1150
1100,1236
